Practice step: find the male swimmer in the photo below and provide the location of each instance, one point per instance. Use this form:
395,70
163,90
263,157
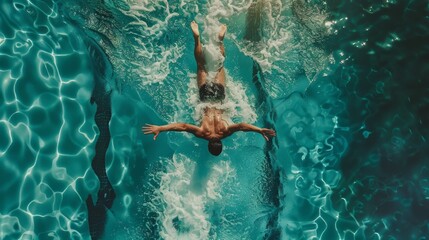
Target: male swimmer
213,126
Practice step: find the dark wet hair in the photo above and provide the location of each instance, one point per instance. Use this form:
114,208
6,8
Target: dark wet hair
215,147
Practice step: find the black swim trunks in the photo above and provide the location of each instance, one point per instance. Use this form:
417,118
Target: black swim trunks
212,92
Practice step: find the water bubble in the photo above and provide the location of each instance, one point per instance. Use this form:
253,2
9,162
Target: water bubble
366,134
127,200
19,6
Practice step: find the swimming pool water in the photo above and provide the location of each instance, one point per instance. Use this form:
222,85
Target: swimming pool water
343,83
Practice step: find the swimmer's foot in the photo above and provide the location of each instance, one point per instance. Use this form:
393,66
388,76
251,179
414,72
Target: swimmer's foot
222,32
194,27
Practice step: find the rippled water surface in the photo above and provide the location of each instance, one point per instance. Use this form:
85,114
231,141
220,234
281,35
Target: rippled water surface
344,84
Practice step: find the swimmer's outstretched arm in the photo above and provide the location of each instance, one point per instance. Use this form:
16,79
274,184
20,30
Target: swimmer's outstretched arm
245,127
178,127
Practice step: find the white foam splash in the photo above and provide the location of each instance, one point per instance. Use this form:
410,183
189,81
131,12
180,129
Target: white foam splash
276,35
183,212
153,61
220,10
158,70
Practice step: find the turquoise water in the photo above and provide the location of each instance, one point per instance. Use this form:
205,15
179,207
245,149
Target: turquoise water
344,84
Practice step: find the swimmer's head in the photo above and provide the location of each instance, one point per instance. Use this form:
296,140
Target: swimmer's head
215,147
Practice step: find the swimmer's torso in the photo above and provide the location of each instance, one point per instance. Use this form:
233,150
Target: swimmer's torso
212,124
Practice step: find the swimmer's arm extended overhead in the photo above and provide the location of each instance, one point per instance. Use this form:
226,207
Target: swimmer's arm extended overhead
178,127
245,127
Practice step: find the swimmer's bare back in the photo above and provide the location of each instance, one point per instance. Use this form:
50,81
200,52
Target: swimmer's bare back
213,124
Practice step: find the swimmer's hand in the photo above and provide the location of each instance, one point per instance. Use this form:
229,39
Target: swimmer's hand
267,133
151,129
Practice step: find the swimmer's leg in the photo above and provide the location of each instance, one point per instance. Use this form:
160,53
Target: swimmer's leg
198,50
199,56
220,76
221,36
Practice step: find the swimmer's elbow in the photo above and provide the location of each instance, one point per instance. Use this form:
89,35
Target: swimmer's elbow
241,127
182,127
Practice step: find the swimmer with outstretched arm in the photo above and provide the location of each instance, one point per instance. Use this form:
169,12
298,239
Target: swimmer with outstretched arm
213,127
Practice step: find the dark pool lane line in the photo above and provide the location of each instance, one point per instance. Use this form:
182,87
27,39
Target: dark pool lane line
271,183
101,96
272,176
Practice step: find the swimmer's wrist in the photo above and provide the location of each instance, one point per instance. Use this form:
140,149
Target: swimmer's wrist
262,131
